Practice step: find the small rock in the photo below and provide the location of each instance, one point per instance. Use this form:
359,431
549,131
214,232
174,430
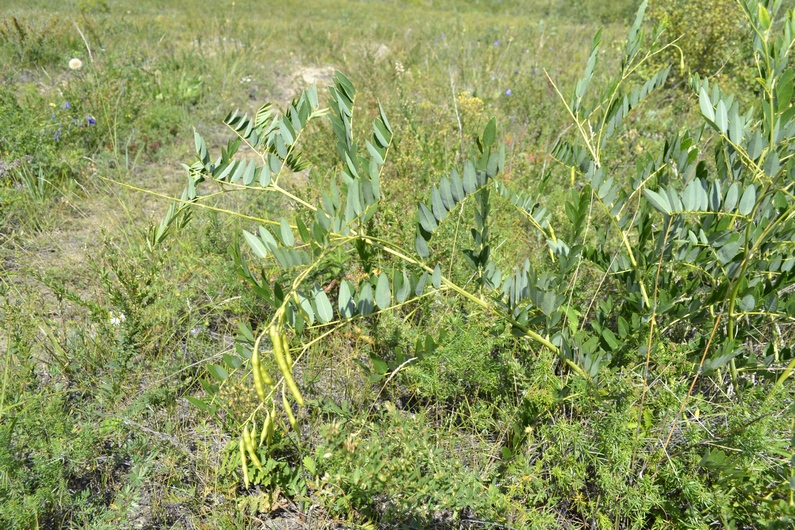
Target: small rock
381,54
309,75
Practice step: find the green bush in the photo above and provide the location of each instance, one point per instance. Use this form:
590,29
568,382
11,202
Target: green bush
370,461
47,468
23,136
710,37
37,45
92,6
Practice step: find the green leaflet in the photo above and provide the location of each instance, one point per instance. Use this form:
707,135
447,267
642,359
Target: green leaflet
286,233
383,295
421,246
402,286
470,179
256,244
347,308
490,133
436,279
660,202
748,200
365,305
706,105
324,311
427,218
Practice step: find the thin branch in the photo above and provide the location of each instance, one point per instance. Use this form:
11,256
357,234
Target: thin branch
90,57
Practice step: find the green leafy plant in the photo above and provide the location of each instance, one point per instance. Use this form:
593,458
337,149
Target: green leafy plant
684,259
367,461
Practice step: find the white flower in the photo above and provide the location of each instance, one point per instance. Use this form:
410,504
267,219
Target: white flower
116,320
75,64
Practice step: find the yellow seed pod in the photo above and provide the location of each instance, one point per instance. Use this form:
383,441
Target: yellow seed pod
259,384
271,427
252,434
286,369
247,443
266,378
267,430
289,411
286,350
246,481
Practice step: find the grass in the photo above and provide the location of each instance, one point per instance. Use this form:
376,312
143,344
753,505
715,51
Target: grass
103,338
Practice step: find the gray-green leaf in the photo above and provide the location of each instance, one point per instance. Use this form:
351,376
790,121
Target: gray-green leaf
436,279
383,295
256,244
345,300
403,291
287,233
660,202
721,117
422,246
427,219
706,105
324,311
727,252
490,133
747,303
748,200
366,300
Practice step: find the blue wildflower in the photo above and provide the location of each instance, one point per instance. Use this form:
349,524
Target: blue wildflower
66,105
91,121
496,43
508,92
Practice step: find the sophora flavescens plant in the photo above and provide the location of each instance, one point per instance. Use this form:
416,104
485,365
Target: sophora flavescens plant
685,249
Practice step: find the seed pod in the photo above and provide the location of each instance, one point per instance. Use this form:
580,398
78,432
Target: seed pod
243,461
266,378
271,427
267,429
289,411
273,420
259,384
278,352
286,350
252,434
250,448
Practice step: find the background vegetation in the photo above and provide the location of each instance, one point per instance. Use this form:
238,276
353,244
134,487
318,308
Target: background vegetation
126,373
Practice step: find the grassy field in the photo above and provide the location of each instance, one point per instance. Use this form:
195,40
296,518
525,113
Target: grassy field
113,412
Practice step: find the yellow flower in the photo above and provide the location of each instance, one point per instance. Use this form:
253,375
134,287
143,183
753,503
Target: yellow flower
470,106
